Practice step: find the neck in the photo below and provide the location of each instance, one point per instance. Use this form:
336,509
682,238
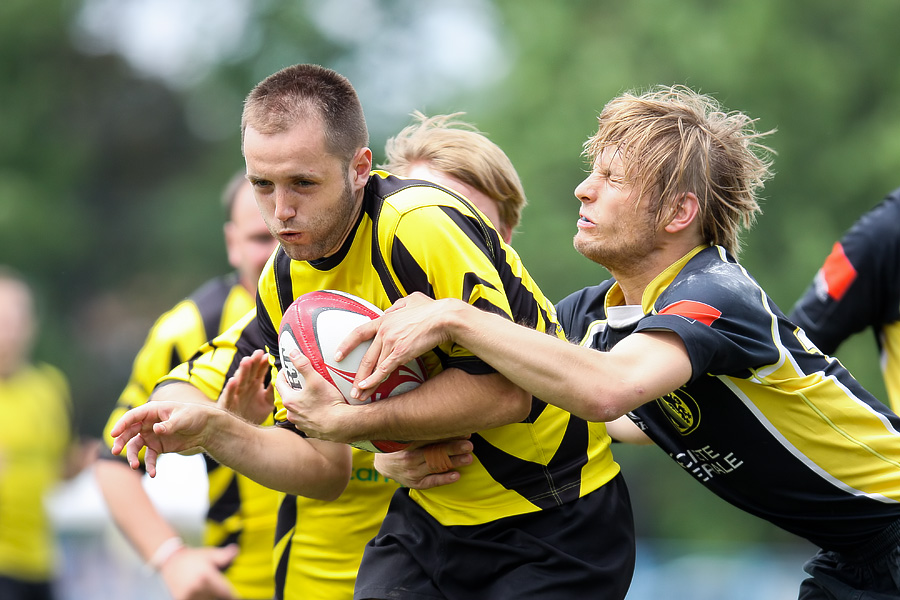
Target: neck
352,222
633,281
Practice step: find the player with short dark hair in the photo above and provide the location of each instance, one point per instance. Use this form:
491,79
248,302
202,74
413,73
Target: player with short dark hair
686,344
858,288
543,483
320,565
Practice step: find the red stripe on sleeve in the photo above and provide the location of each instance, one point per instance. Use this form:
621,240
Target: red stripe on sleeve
697,311
838,272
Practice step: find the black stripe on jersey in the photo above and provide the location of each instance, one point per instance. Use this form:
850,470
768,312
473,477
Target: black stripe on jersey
481,235
250,339
210,301
544,486
470,282
287,518
231,538
409,271
282,267
523,304
267,329
373,209
211,463
537,408
226,505
175,359
527,310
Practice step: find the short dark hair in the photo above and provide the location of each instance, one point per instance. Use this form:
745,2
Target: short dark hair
302,91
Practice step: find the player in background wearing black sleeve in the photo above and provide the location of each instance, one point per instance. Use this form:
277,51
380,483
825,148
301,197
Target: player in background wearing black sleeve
858,287
236,559
525,518
685,343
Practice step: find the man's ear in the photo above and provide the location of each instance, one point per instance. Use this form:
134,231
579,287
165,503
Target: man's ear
360,167
686,212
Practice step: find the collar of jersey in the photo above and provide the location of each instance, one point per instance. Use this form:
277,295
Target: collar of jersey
615,299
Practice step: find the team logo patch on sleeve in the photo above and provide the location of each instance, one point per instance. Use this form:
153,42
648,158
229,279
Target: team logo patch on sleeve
681,410
696,311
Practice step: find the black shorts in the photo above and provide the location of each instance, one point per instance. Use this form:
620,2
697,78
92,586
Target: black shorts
19,589
582,549
870,573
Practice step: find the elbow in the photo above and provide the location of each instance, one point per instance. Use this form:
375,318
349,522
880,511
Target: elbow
606,401
520,405
334,476
322,474
597,412
326,489
597,408
509,404
331,490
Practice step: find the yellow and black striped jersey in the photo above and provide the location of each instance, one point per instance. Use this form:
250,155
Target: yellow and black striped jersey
318,545
767,421
858,287
416,236
240,510
32,454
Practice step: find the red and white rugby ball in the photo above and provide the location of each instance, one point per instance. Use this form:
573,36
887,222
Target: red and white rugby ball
315,323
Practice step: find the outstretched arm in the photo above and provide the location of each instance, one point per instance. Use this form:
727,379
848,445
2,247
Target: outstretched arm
274,457
597,386
189,573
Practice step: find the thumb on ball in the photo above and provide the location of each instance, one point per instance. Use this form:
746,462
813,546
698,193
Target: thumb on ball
300,362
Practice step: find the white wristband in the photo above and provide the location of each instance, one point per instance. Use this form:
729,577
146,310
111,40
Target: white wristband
164,552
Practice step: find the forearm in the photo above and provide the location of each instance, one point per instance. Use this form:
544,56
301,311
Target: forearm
131,508
451,404
597,386
278,458
624,430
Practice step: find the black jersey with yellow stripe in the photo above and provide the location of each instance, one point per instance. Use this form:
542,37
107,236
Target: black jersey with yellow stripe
240,510
858,287
767,421
412,236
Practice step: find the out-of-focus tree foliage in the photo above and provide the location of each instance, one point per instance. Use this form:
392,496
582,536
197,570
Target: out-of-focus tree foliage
85,149
109,180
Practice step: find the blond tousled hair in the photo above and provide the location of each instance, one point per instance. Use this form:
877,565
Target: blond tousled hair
674,140
458,149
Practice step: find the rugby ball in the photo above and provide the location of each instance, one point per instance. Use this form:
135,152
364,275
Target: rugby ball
315,324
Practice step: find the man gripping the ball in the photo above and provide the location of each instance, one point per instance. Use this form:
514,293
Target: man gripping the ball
542,483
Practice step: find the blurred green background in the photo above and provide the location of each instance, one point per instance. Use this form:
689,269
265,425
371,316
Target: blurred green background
119,124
